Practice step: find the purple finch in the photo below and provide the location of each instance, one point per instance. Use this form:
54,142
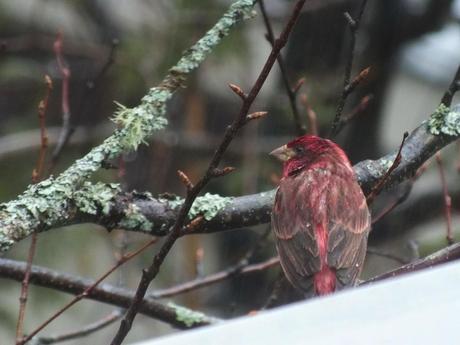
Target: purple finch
320,217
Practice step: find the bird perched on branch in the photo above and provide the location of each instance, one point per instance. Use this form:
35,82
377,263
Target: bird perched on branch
320,217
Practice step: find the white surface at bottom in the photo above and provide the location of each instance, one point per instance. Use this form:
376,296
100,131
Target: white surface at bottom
420,308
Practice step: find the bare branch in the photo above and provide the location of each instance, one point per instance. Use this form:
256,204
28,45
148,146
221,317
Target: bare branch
125,258
381,184
353,24
241,268
104,293
444,255
452,89
37,175
87,330
312,118
447,199
290,91
67,128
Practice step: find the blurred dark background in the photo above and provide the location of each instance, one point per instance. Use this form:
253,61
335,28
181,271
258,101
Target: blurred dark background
117,49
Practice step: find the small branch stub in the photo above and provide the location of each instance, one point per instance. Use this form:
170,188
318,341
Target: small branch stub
358,80
356,111
194,223
48,82
185,180
238,90
351,22
362,105
222,172
380,184
298,85
255,116
312,118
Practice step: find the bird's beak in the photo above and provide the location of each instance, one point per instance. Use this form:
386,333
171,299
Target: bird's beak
283,153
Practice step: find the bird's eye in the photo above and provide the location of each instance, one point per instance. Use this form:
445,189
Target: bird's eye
299,150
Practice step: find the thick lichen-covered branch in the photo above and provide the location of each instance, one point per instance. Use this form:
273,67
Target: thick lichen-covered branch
441,128
104,204
52,201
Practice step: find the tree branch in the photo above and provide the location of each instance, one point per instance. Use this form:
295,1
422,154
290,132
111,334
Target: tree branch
444,255
82,332
104,293
106,205
232,271
291,93
47,202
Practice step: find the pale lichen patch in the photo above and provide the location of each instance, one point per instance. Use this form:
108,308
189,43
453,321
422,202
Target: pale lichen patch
444,121
207,205
94,197
186,316
134,219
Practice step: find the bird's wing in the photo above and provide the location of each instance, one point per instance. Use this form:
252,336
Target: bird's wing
293,223
349,224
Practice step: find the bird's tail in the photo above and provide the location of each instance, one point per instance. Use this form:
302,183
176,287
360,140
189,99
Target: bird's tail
325,281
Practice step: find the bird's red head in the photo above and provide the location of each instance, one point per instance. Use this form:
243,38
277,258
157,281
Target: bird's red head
307,150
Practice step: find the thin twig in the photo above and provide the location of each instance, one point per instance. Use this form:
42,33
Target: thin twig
393,204
444,255
380,184
447,199
452,89
402,195
241,268
385,254
67,127
37,173
95,82
199,267
103,293
355,112
88,290
151,272
91,86
36,176
414,250
458,156
312,118
83,332
290,91
348,87
277,290
25,289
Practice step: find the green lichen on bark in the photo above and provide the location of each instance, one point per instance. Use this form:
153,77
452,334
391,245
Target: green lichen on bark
49,203
46,203
192,57
188,317
207,205
134,219
444,121
95,198
149,115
